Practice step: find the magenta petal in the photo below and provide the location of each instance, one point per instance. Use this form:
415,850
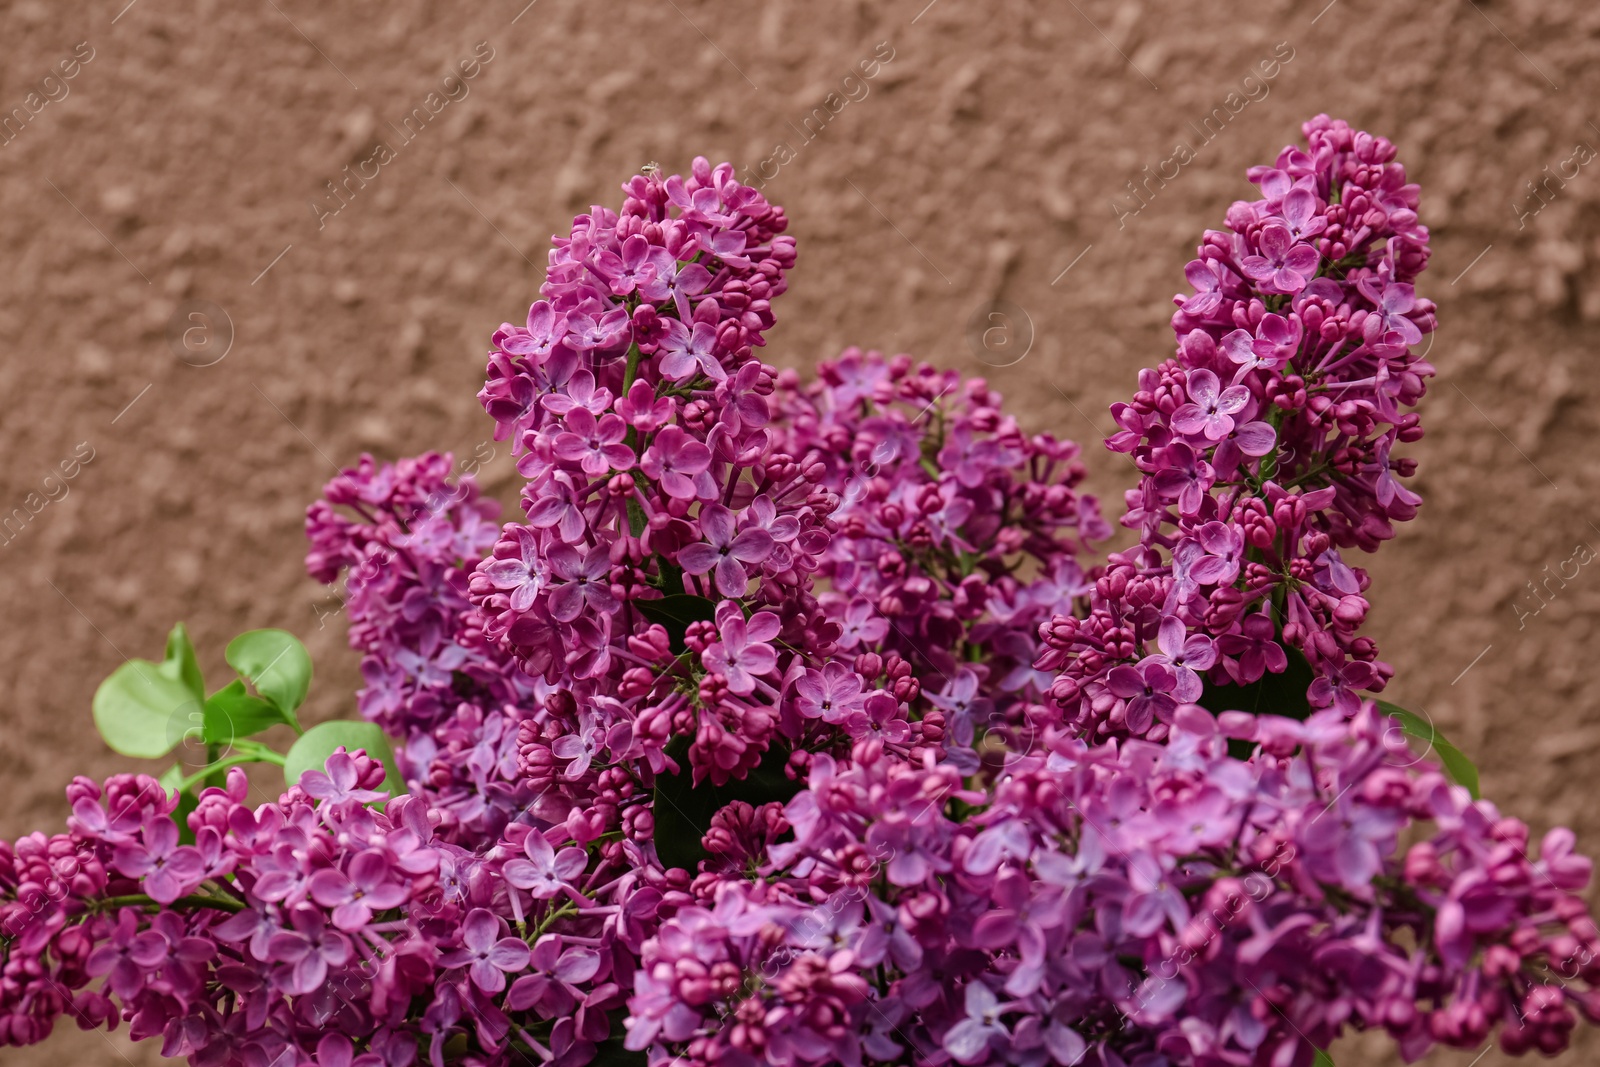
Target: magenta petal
570,862
132,860
751,546
698,557
526,992
509,954
566,602
1189,419
731,577
487,977
352,916
330,888
1255,438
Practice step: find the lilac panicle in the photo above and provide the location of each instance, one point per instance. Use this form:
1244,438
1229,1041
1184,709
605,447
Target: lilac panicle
1012,832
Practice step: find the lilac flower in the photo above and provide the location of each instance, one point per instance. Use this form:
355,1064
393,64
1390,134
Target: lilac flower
628,270
545,329
829,694
1208,279
580,582
545,871
1224,553
487,956
969,1040
556,504
643,410
558,971
308,950
743,654
880,717
913,853
579,393
961,699
1395,303
595,445
1282,264
679,463
588,332
674,281
356,893
520,575
862,626
580,748
1255,648
970,457
685,353
1149,690
725,551
1186,655
129,957
1209,410
1386,487
1268,349
340,781
1184,475
166,869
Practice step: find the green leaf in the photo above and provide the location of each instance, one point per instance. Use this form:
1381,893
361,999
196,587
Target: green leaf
676,611
1323,1059
612,1053
181,664
143,712
683,810
232,713
172,780
311,751
187,802
1461,769
681,608
276,663
1271,694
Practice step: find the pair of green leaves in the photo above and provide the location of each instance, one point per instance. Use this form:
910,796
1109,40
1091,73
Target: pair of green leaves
1285,694
146,710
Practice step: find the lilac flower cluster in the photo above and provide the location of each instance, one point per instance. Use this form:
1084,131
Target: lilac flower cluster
1140,903
655,499
970,800
958,535
239,945
406,538
1266,447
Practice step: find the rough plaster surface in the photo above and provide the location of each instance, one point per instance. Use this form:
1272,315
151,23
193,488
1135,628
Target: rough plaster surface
982,161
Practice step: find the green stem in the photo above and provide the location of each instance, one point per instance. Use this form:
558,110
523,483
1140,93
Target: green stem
560,913
139,900
632,370
255,754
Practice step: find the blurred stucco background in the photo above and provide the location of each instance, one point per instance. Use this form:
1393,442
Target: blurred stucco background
184,170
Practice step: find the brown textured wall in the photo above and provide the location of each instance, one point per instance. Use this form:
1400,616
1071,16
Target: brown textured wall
982,163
